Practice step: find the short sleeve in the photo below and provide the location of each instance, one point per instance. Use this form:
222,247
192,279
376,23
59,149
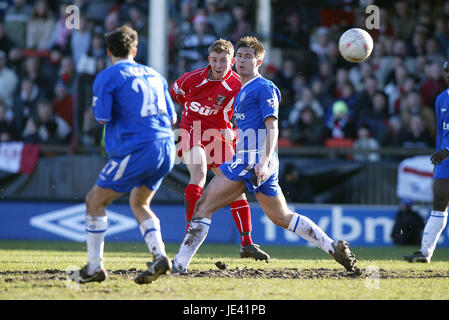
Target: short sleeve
102,98
269,99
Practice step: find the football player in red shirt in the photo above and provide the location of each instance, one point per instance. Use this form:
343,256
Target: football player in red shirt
207,96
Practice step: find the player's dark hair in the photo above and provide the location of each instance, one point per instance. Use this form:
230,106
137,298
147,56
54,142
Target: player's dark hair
121,41
254,43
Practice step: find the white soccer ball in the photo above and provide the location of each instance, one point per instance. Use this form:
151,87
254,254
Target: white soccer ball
355,45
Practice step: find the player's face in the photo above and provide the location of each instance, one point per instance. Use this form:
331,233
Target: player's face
220,64
446,72
246,62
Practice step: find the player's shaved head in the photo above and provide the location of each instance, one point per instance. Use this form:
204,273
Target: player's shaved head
222,45
253,43
122,41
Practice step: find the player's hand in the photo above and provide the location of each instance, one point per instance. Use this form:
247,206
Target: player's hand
262,172
439,156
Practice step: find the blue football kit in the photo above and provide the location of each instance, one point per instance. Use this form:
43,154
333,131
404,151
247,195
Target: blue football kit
134,103
257,100
442,139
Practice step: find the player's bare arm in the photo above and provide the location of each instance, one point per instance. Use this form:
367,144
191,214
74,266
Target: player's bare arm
261,167
439,156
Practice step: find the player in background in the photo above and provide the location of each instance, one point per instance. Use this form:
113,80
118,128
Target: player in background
207,96
438,216
134,103
254,166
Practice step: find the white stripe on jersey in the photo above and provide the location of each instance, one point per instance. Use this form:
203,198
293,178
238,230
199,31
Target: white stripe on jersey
226,110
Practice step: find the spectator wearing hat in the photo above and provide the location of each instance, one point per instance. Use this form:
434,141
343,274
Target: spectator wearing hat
339,123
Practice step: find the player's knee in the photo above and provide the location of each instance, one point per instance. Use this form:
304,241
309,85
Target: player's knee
280,220
136,205
89,200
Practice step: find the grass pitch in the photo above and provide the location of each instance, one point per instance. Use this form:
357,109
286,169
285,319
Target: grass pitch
36,270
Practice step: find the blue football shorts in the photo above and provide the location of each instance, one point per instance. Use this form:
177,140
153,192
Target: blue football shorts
441,172
147,166
240,170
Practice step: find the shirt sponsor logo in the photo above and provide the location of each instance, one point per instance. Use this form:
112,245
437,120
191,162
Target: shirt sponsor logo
445,126
239,116
203,110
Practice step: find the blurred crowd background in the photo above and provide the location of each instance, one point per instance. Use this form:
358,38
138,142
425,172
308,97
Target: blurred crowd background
47,71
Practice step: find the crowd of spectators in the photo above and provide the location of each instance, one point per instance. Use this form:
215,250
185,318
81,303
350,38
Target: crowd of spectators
385,101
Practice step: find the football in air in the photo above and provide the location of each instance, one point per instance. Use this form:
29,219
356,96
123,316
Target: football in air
355,45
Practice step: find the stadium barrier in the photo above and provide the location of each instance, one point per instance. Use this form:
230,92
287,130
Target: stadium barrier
361,225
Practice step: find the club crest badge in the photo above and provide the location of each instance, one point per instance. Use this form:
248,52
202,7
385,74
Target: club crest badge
220,99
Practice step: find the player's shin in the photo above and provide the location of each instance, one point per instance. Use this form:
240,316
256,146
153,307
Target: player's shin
151,232
96,230
193,239
432,231
308,230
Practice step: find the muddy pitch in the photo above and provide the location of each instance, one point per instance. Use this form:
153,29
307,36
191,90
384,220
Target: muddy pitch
222,271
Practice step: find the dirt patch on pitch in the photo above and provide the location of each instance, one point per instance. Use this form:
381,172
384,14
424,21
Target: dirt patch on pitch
222,271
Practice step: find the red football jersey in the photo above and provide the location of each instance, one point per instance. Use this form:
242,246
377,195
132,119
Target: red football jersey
205,100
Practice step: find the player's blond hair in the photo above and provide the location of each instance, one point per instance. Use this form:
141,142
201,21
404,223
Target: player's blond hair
222,45
254,43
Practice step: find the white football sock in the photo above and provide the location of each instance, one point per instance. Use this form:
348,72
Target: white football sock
151,232
308,230
432,231
96,230
193,239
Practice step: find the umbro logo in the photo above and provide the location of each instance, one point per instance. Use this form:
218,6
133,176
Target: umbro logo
70,222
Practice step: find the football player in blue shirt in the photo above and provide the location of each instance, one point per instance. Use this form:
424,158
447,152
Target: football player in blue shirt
438,217
255,166
134,103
